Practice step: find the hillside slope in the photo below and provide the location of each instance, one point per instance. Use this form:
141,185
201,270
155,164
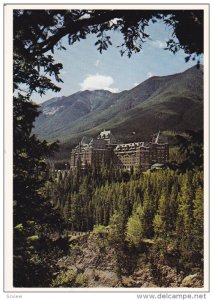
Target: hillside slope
173,102
95,265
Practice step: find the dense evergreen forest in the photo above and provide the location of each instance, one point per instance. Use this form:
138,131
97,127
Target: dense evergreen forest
166,206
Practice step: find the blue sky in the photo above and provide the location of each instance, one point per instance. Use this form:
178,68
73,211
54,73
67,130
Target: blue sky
85,68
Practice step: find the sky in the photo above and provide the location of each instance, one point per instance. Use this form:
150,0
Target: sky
84,68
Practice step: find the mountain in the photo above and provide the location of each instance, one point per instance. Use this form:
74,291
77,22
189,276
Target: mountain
173,102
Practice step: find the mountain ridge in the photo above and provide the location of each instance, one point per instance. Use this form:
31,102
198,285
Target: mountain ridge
172,102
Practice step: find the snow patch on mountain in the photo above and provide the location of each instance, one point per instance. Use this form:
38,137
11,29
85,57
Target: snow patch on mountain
49,111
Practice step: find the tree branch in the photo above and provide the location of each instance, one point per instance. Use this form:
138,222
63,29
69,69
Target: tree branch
74,26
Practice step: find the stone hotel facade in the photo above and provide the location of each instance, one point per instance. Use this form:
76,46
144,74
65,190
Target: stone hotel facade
105,149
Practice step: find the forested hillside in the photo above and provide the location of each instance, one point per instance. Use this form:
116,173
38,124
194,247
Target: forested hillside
129,210
173,102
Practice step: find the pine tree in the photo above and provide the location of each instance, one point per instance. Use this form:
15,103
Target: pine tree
198,228
185,222
117,240
135,231
184,218
173,207
148,212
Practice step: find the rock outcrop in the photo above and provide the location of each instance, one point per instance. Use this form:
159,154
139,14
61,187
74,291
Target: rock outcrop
90,258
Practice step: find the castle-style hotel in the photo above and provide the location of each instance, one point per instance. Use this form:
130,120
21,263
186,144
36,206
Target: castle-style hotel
105,149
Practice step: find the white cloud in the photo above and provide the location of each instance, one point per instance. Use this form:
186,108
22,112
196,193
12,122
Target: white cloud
149,74
136,83
97,63
97,82
158,44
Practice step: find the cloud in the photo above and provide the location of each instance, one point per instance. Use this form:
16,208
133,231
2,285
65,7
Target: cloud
136,83
149,74
97,63
97,82
158,44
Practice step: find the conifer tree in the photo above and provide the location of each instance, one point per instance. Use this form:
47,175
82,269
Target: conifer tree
184,219
147,213
198,227
162,217
173,207
184,223
135,231
117,240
